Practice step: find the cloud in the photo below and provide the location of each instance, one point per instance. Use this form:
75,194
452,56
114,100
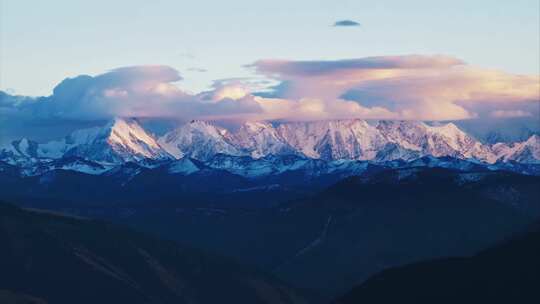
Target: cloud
315,68
308,109
346,23
388,87
234,88
410,87
139,91
199,70
510,113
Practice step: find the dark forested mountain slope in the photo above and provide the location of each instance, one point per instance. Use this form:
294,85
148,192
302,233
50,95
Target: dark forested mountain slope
58,259
508,273
362,225
401,216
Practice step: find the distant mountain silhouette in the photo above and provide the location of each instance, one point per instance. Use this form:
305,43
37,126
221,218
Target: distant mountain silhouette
508,273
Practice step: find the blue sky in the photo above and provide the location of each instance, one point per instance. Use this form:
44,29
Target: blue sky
43,42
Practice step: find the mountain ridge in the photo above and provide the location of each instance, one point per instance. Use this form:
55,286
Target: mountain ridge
507,272
122,140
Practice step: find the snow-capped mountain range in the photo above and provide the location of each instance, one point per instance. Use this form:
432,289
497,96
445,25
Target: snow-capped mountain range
342,139
265,146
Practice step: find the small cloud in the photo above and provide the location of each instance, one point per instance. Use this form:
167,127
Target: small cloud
510,114
199,70
10,91
346,23
187,55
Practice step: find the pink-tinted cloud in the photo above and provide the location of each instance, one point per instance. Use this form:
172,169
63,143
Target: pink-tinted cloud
140,91
394,87
408,87
314,68
510,114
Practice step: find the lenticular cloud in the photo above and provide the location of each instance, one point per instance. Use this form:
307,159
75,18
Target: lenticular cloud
388,87
405,87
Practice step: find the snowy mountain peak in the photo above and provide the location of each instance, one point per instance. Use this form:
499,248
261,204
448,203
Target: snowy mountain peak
119,140
19,151
259,139
438,140
533,140
128,139
198,139
333,139
255,126
130,135
25,147
527,152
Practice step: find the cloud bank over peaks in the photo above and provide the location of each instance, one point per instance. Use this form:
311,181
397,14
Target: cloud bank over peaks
138,91
419,87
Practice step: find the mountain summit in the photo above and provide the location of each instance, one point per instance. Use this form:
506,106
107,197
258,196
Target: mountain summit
198,139
118,141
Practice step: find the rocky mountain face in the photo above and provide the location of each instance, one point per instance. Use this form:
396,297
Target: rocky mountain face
522,152
124,140
327,140
199,140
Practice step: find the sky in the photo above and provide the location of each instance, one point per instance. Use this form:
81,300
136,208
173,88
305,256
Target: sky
63,62
43,42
